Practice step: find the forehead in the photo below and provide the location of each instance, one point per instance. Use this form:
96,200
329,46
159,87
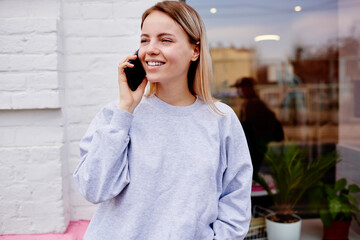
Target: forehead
159,22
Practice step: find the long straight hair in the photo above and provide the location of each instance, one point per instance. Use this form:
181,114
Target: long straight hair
200,71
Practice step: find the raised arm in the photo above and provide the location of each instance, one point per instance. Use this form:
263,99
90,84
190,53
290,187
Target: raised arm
103,171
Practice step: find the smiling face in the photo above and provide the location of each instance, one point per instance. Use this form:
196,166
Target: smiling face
165,50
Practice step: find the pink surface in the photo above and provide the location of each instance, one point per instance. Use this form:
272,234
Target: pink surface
75,231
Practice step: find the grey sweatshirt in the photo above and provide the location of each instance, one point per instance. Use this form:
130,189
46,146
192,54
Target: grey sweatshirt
166,173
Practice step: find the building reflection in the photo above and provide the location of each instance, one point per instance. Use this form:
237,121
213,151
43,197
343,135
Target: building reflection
303,92
310,78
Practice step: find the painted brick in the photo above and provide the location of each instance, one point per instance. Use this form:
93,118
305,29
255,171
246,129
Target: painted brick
98,80
33,62
28,136
21,8
41,209
9,210
28,44
76,131
97,10
38,135
5,100
7,136
16,81
31,118
10,9
101,27
27,195
12,44
36,99
21,27
93,96
73,115
129,9
72,10
44,44
56,225
12,81
4,62
74,80
58,67
42,81
10,227
74,149
102,45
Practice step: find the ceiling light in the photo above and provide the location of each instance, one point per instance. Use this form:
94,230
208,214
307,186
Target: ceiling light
267,37
297,8
213,10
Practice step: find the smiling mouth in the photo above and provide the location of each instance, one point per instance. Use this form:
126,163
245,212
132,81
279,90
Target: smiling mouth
154,63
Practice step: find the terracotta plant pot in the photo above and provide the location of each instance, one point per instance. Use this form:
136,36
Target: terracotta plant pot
337,231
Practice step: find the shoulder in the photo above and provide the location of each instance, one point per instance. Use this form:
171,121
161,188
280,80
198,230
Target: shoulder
224,116
227,113
228,120
224,108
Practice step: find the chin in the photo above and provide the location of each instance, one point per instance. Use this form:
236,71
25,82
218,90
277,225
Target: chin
153,79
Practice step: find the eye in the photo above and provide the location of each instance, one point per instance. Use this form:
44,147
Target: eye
166,40
144,40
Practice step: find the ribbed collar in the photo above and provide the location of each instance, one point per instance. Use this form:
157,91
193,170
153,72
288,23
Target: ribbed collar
171,109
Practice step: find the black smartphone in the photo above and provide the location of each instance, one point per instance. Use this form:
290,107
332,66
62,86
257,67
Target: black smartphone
135,75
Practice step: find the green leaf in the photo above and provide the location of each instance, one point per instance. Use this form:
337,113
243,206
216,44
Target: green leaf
330,191
340,184
325,217
351,198
334,207
354,188
315,197
346,209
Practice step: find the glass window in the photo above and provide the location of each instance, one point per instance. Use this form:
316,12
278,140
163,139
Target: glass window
303,61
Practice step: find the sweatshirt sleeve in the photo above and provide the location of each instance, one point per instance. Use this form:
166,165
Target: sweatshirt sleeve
234,207
103,171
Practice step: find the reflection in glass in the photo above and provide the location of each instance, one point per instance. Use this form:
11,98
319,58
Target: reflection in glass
309,77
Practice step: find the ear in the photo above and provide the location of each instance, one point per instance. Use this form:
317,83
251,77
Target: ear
196,52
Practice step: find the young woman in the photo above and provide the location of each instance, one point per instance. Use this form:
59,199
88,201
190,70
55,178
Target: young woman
173,165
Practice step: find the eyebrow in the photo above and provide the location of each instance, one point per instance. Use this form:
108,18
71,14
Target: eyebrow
159,35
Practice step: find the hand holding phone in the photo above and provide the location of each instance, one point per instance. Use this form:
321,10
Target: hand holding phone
136,74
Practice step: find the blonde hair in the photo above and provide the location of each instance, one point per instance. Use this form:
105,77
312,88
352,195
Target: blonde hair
200,72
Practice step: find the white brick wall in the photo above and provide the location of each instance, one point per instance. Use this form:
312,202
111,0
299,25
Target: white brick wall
58,66
28,49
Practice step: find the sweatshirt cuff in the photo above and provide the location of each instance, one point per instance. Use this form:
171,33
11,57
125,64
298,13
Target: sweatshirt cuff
121,119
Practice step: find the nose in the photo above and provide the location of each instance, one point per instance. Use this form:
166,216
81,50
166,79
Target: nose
152,48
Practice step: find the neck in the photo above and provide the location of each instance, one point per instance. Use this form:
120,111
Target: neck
175,95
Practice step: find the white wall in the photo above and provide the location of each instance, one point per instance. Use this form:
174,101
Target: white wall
58,66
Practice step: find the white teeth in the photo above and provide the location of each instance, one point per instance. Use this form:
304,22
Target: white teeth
155,63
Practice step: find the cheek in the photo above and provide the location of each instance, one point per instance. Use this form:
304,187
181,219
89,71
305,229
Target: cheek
141,56
141,53
179,56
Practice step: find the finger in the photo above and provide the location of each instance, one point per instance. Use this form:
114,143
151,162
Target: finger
131,57
124,65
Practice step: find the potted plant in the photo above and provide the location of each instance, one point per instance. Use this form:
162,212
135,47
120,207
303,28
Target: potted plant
293,174
337,207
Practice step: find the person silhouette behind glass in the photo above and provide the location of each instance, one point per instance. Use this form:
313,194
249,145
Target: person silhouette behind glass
259,122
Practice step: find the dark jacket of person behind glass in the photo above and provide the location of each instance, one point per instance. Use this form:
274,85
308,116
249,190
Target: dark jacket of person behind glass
259,122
